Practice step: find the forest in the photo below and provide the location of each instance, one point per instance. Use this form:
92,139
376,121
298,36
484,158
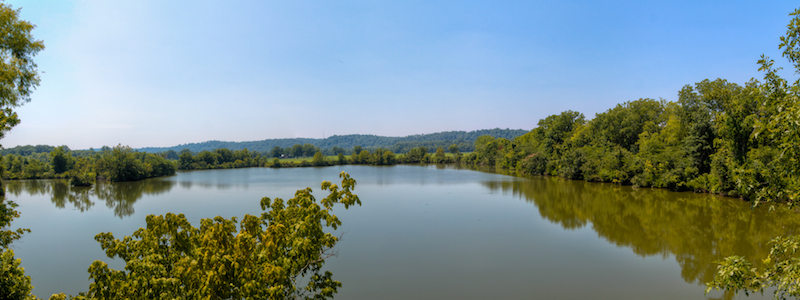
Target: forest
85,166
120,163
465,141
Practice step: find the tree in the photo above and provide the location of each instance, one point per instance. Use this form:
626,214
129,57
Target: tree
297,150
82,174
453,149
20,73
309,150
264,257
782,183
58,159
14,284
337,150
276,152
440,157
363,157
354,156
121,165
19,78
170,154
224,154
185,160
319,159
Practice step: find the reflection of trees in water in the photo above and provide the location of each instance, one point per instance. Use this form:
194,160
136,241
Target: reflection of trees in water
118,196
79,197
698,229
59,189
205,185
32,187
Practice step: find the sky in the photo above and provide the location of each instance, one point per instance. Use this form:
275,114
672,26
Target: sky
154,73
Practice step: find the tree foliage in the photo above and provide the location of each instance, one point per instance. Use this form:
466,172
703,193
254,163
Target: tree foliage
14,284
19,74
776,181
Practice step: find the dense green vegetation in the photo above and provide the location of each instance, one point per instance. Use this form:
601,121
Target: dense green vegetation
120,163
83,166
719,137
464,140
20,78
43,161
220,159
773,172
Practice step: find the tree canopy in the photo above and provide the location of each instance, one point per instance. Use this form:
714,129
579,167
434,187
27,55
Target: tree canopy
19,74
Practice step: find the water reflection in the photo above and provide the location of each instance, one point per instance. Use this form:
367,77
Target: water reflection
79,197
697,229
207,185
119,196
32,187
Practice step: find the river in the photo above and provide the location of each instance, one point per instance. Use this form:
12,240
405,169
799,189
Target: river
429,232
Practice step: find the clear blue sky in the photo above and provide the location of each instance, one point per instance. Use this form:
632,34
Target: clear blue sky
161,73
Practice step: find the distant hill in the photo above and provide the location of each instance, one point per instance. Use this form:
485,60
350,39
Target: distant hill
465,141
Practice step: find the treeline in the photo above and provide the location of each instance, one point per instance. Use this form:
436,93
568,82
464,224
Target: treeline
465,141
719,137
120,163
217,159
83,167
377,157
308,150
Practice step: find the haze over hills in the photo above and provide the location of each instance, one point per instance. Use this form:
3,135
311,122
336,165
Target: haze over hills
465,141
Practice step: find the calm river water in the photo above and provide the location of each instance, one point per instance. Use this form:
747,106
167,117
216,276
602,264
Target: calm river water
427,232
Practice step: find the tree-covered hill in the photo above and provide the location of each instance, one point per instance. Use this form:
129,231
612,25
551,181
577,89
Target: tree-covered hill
465,141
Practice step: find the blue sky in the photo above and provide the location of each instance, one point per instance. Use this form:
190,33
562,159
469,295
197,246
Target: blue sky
161,73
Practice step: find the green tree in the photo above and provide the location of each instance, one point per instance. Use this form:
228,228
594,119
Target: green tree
363,157
453,149
623,124
20,78
276,152
58,160
14,284
780,183
297,150
7,216
185,160
224,154
20,73
389,158
319,159
121,165
82,174
170,154
440,157
309,150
